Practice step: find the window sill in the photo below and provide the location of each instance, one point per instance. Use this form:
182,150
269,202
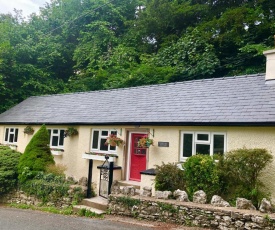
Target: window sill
100,157
57,152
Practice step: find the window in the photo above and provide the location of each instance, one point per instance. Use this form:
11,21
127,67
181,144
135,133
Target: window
56,138
99,137
11,135
202,143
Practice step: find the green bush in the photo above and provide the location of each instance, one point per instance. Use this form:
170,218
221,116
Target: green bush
36,157
169,177
200,173
8,169
46,187
241,169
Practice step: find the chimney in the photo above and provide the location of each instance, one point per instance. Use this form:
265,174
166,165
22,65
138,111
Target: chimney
270,65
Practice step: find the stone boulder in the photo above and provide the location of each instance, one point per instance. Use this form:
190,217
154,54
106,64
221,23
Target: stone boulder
115,189
219,202
200,197
147,191
181,195
242,203
128,190
265,206
163,194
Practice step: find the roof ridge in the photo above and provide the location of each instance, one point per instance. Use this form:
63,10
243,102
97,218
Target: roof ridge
154,85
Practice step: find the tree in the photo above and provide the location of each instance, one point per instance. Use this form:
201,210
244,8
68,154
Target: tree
36,157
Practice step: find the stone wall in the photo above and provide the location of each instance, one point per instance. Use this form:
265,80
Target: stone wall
189,213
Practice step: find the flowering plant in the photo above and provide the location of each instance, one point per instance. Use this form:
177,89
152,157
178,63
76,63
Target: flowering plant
145,142
113,140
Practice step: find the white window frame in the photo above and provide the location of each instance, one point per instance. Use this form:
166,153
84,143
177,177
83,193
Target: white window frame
195,141
10,133
100,137
58,136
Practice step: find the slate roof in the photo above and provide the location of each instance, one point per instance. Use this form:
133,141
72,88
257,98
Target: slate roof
220,101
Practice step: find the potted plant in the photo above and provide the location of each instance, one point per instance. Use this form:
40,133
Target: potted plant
113,140
28,130
71,131
145,142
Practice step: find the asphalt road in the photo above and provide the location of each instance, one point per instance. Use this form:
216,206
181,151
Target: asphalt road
20,219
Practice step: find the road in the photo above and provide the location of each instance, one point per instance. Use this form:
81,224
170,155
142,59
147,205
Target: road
22,219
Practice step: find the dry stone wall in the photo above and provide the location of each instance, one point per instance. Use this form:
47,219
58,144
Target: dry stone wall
189,213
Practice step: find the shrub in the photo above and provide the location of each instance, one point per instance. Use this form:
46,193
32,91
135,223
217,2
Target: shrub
37,155
201,173
56,169
241,169
169,177
8,169
46,187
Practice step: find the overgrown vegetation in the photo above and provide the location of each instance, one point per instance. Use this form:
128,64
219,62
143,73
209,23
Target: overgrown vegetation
236,174
241,169
169,177
37,156
201,173
8,169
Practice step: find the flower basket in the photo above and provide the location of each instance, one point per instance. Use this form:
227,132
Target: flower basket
145,142
113,140
70,132
29,130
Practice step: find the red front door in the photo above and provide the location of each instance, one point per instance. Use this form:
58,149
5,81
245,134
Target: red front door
137,157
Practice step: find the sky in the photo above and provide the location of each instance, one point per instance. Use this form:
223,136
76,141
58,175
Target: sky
28,6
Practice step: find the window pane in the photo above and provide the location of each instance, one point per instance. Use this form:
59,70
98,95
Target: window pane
202,137
61,138
11,137
113,148
7,135
187,144
54,140
218,144
114,132
95,140
16,135
103,147
104,133
202,149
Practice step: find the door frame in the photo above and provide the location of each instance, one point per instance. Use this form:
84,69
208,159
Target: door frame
129,152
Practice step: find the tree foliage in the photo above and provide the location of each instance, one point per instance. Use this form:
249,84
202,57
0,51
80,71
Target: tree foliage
8,169
37,155
75,45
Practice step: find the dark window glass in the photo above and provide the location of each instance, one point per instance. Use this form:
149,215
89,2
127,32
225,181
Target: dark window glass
16,135
103,147
114,132
54,140
113,148
202,149
7,135
203,137
187,144
218,144
95,140
104,133
55,131
61,138
11,137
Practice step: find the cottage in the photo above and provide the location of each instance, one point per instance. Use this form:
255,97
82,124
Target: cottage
207,116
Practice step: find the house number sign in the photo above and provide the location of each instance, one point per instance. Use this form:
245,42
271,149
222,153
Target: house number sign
163,144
